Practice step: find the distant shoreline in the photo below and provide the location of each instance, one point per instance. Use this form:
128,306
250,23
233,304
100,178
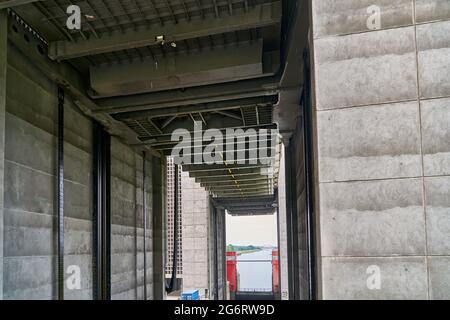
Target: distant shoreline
239,253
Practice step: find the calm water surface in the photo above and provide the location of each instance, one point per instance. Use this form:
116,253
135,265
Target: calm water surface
255,275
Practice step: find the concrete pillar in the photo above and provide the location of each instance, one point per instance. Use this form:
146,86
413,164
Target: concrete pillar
282,229
196,230
221,251
3,68
159,286
382,86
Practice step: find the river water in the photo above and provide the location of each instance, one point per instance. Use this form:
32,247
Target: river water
255,275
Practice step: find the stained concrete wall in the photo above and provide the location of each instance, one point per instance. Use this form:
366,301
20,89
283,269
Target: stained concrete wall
29,255
196,228
220,253
3,71
383,114
282,230
29,206
127,232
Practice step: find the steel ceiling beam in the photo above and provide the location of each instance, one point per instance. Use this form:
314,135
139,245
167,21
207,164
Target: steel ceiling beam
216,167
256,17
267,86
206,107
256,182
215,188
224,172
221,202
209,66
230,179
13,3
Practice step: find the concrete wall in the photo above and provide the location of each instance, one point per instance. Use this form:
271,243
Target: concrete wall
3,70
220,253
127,233
29,206
29,250
282,230
383,114
196,217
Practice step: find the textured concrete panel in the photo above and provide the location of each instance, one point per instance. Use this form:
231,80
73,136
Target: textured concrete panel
28,190
195,233
3,72
24,139
401,278
84,262
333,17
369,68
28,234
437,191
372,218
373,142
29,278
434,59
432,10
436,136
39,105
439,268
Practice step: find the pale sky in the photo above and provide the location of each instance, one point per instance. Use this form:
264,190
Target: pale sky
253,230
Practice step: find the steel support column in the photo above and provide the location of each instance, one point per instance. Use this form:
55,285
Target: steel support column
102,214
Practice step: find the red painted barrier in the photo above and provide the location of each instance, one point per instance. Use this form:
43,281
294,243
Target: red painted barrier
232,270
275,272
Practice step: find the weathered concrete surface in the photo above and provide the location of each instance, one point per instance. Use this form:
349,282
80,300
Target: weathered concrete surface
30,151
367,68
436,136
196,222
372,218
358,144
432,10
401,278
382,110
158,228
282,229
3,70
433,44
439,277
350,16
437,191
127,254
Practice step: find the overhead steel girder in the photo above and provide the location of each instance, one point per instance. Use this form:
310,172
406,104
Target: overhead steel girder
216,167
256,17
256,212
167,138
215,188
230,201
244,195
209,66
225,172
230,178
13,3
169,146
232,183
206,107
266,86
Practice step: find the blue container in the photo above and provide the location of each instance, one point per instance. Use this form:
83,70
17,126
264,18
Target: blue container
190,295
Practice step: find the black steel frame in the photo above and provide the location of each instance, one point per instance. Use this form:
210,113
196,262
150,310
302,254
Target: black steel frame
102,214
